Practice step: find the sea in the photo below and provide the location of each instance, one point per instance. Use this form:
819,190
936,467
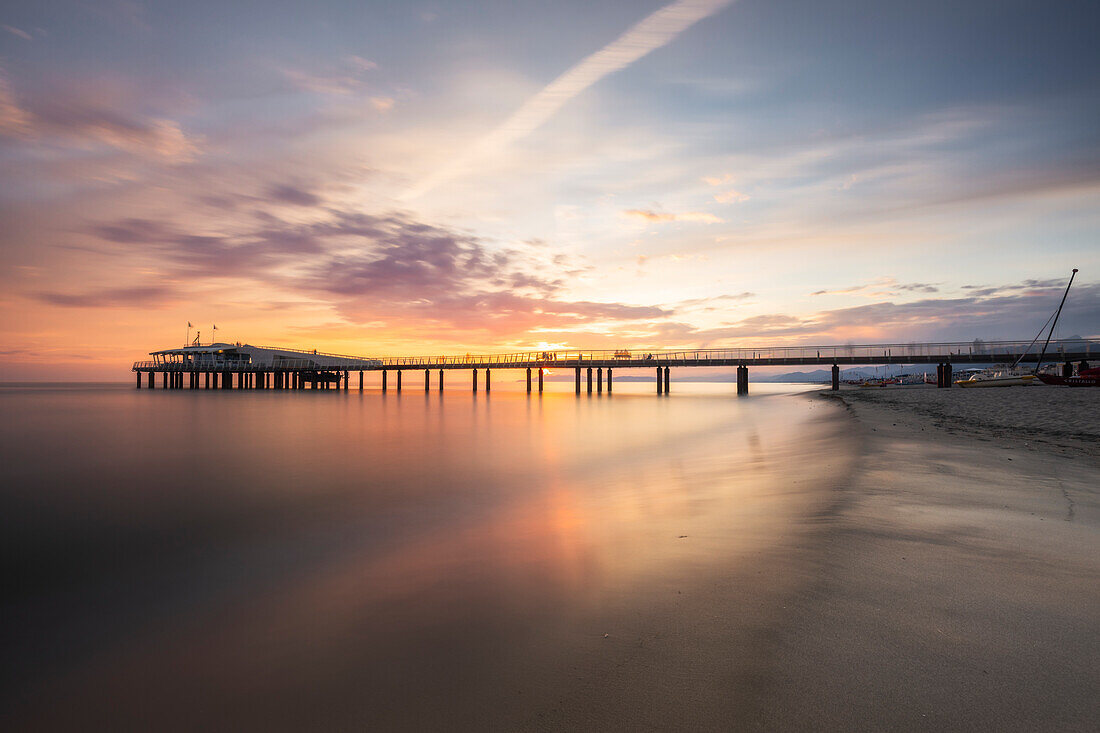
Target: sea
356,560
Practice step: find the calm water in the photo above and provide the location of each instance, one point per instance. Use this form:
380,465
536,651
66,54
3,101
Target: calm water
348,559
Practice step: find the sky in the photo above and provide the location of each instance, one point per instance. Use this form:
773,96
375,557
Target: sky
386,178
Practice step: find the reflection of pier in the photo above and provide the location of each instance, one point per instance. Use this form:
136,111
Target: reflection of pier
240,366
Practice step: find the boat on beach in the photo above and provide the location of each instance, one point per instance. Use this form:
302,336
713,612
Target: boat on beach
996,379
1084,378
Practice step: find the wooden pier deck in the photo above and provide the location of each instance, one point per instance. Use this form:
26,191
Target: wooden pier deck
301,369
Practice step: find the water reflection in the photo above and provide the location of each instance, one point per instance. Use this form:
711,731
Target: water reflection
351,559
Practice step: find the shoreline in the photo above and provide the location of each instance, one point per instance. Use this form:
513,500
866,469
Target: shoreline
956,585
882,574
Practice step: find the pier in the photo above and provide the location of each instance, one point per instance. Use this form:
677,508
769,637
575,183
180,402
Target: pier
242,366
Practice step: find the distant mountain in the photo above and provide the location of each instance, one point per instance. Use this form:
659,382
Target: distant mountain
826,375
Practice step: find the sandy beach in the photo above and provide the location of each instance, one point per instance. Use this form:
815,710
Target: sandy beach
958,580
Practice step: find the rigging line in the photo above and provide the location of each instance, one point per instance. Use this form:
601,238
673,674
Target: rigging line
1041,329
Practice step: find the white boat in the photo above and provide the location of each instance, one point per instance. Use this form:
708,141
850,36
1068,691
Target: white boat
996,379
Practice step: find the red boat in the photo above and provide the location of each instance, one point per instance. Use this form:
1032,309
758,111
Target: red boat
1086,378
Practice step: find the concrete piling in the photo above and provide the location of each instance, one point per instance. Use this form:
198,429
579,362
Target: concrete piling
609,380
589,380
488,381
528,381
475,379
577,379
836,378
440,380
427,380
660,381
540,381
399,373
668,371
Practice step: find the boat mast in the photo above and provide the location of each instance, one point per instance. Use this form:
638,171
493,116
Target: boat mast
1056,314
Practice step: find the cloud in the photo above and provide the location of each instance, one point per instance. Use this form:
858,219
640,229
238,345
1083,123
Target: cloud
731,196
662,217
323,84
14,120
382,104
717,180
341,79
360,63
17,32
110,298
288,194
77,118
1014,315
656,30
879,287
389,269
713,301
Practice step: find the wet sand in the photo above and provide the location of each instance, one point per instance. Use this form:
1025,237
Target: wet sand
959,582
952,582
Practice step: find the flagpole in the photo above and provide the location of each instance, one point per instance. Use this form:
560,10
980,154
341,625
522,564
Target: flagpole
187,339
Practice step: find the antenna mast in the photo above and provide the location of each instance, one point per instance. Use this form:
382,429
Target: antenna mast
1056,314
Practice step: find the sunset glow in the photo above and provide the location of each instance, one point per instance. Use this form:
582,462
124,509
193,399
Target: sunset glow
378,178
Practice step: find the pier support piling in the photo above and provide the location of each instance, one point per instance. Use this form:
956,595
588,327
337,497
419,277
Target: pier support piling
949,375
540,380
599,380
488,380
668,372
609,380
660,381
440,380
361,381
528,380
475,380
742,380
577,379
427,380
385,380
399,373
836,378
589,380
139,381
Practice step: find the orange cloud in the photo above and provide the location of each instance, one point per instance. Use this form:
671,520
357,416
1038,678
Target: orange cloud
661,217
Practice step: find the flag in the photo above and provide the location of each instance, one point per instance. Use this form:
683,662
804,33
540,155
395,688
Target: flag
189,324
215,327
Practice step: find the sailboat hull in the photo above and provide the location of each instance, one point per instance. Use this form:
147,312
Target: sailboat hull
1012,381
1093,381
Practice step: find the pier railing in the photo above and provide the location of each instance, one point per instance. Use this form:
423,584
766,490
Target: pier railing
896,353
992,351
